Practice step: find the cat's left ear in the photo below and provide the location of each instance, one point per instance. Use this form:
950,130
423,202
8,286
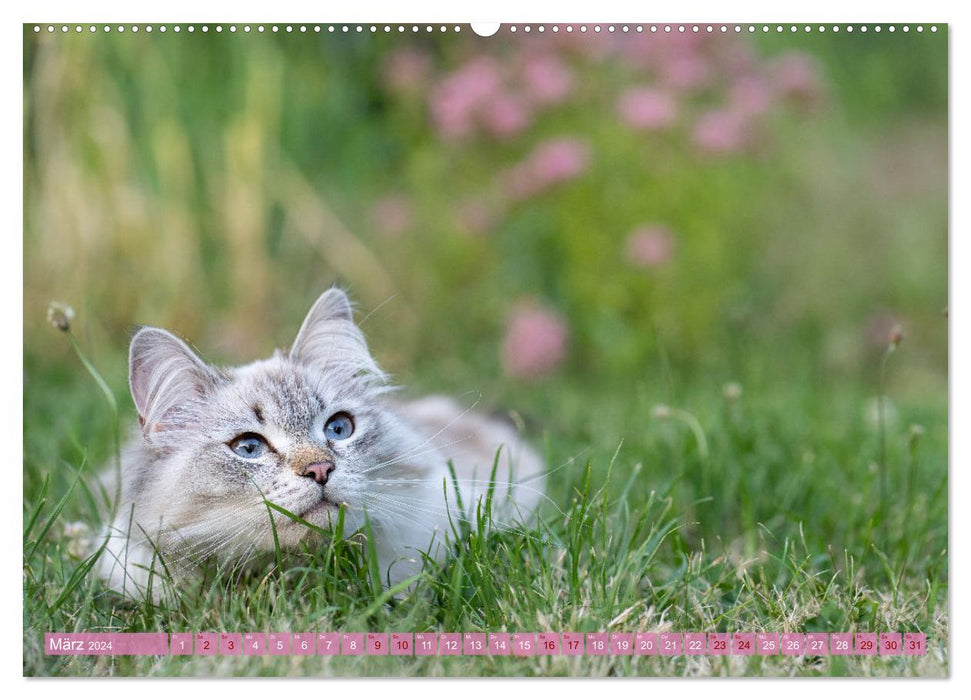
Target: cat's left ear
329,338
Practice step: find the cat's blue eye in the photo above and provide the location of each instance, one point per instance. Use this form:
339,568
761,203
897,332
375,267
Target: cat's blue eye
248,445
338,427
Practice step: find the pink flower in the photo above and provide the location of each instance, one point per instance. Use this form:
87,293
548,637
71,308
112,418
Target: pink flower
550,163
547,80
456,100
392,215
720,131
643,108
476,216
797,78
650,246
750,95
505,116
406,70
535,342
685,72
559,160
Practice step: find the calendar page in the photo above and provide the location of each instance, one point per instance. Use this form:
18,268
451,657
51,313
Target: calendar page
381,349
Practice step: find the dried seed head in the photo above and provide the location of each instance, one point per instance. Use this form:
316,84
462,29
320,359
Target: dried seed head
732,391
60,316
896,335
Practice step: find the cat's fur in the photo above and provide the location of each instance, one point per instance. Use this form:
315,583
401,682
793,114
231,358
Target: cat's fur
186,496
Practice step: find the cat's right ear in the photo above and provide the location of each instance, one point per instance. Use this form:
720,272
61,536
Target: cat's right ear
165,376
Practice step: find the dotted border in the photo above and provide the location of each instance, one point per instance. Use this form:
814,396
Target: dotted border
512,28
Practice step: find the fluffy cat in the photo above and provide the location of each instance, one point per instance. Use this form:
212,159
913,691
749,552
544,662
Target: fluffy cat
308,429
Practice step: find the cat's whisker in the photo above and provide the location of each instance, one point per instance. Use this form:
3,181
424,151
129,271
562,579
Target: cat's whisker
448,425
505,527
507,486
415,455
375,310
421,505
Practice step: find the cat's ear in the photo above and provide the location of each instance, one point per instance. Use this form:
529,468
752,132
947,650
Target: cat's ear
329,338
165,376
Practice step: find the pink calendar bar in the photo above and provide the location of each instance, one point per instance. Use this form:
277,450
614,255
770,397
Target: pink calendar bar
597,644
278,643
377,643
205,643
426,644
500,644
890,644
328,643
572,644
180,643
352,644
767,643
669,643
841,643
793,644
493,644
302,643
915,644
645,643
402,643
254,644
743,643
474,643
866,643
106,643
719,643
817,643
230,644
548,644
450,644
695,643
524,644
621,644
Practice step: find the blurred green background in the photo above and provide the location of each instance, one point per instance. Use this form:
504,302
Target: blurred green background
577,226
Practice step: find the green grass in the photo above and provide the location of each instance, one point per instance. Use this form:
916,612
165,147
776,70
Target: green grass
778,527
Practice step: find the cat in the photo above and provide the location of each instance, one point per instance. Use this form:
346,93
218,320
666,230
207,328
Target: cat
313,429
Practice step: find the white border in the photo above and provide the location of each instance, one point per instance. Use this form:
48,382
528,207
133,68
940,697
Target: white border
832,11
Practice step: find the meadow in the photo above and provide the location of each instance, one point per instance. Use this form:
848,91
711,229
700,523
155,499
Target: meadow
706,275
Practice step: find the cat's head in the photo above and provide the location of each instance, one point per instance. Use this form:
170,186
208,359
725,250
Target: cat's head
302,429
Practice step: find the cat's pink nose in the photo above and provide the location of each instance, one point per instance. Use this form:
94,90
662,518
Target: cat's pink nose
318,471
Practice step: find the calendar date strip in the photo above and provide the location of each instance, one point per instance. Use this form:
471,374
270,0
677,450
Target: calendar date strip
523,644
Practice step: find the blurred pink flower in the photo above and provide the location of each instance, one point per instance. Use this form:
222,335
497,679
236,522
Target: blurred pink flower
406,70
550,163
457,97
504,116
644,108
476,216
560,159
750,95
650,246
547,80
685,71
535,343
797,78
720,131
392,215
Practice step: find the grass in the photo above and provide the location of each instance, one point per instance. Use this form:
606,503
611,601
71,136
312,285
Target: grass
775,525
